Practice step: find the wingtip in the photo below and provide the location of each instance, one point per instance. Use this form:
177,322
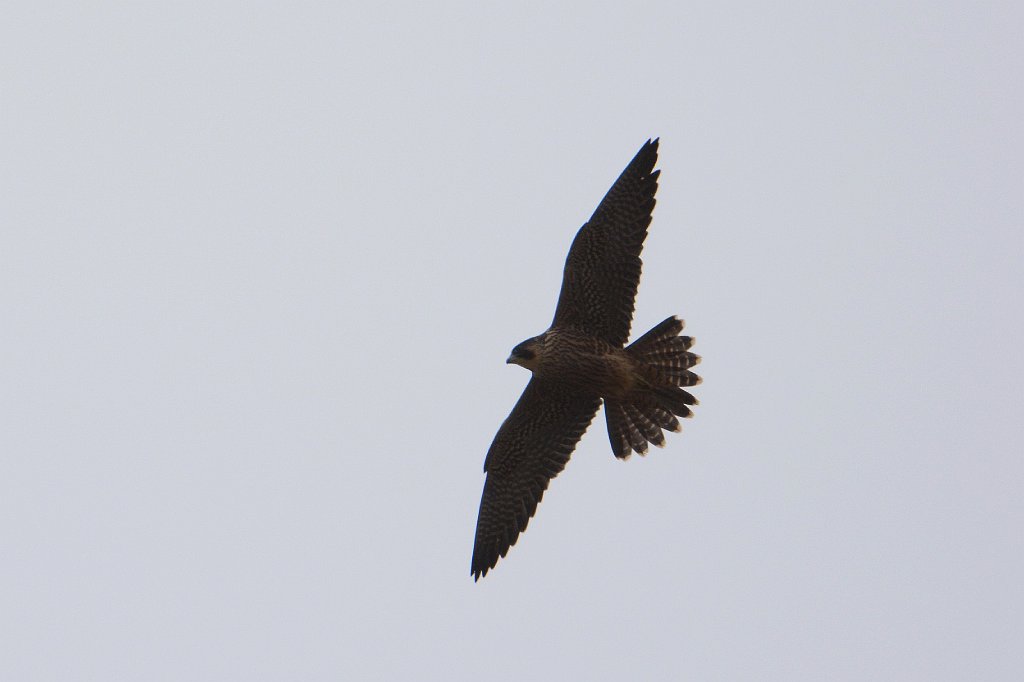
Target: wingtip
649,148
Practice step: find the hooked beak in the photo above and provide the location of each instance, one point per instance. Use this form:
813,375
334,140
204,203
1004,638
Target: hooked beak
511,360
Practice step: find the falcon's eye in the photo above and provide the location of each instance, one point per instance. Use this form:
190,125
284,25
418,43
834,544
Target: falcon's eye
523,351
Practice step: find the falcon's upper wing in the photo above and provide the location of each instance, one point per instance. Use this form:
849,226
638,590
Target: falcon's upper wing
531,448
603,267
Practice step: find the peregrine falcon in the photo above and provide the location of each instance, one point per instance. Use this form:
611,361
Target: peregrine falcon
581,361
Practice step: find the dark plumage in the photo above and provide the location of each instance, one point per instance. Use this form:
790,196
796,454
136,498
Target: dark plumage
580,361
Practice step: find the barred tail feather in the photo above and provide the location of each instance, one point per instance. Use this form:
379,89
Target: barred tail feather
666,355
623,433
664,359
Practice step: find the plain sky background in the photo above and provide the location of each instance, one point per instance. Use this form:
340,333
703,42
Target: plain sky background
262,263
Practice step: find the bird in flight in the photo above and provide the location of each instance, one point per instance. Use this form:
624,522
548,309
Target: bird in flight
581,361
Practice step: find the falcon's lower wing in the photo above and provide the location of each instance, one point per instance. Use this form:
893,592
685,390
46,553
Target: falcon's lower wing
531,448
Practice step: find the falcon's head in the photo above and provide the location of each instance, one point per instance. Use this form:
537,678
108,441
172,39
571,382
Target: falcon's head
525,354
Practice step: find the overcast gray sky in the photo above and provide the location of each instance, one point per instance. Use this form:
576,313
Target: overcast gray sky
262,264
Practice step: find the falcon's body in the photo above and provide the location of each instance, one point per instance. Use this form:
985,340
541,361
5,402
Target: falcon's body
581,361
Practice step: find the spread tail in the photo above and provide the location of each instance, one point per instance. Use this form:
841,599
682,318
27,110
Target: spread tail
663,363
